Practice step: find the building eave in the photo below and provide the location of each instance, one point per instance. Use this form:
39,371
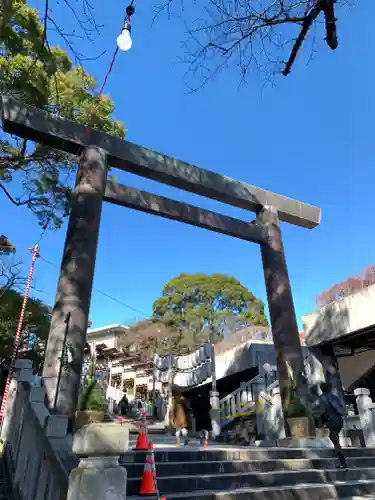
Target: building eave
104,329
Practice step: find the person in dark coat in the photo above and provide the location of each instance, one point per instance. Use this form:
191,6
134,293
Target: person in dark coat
332,413
123,405
201,411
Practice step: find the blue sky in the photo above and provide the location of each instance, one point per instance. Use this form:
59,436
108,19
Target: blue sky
310,137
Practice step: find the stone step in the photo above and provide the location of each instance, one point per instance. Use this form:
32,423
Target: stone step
318,491
163,469
232,481
362,497
242,453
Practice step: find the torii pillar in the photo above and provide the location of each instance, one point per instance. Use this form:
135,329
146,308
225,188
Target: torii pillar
286,339
61,379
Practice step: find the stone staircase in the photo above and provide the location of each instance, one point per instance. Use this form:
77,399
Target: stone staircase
241,431
256,473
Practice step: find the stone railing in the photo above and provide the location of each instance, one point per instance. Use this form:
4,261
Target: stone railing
43,462
241,401
365,418
254,397
29,435
358,430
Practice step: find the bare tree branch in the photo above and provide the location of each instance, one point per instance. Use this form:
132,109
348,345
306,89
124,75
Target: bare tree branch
10,275
45,21
331,29
306,25
159,9
79,58
15,201
259,34
85,21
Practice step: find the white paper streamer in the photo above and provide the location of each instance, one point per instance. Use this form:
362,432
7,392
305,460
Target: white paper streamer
187,362
187,378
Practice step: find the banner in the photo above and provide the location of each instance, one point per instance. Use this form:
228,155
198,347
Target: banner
186,362
188,370
189,378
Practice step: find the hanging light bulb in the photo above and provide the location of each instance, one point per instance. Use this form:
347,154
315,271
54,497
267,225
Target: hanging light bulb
124,40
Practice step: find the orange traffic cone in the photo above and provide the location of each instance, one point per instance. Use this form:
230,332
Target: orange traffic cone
152,461
147,483
151,456
153,467
142,443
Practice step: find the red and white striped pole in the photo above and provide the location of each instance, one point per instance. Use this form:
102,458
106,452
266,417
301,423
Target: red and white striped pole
35,251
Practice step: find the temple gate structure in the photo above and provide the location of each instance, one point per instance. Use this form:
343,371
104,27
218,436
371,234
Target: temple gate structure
96,152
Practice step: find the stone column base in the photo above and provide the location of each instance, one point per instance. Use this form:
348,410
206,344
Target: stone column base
99,474
98,478
101,440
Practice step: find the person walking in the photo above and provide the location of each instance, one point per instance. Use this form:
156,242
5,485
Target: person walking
332,413
178,417
201,410
158,402
123,405
140,404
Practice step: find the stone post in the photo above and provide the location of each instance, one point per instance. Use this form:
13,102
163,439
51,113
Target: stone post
274,427
167,416
283,317
75,285
214,394
56,429
366,411
22,373
244,394
99,474
257,390
24,370
111,404
110,375
9,410
37,401
215,413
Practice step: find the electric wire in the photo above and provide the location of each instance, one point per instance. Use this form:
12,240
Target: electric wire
109,71
114,299
126,20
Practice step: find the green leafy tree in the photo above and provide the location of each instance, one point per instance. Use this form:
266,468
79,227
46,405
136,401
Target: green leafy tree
182,316
92,397
34,333
33,175
192,303
6,247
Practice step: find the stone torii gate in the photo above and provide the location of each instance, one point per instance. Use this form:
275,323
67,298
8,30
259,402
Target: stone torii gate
97,150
